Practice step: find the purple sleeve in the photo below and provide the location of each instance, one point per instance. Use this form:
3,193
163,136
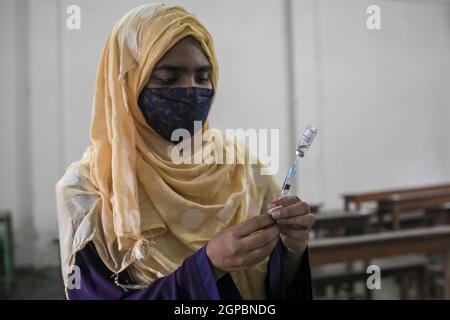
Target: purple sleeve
300,289
193,280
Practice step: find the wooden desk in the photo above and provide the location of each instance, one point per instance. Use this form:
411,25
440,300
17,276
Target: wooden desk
315,207
386,244
437,215
397,204
359,198
349,221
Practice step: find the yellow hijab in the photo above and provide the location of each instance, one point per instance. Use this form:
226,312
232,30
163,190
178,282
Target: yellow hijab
143,212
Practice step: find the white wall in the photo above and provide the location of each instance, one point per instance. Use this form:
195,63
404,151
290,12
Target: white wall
15,175
379,98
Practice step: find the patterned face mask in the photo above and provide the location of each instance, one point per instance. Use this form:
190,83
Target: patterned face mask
168,109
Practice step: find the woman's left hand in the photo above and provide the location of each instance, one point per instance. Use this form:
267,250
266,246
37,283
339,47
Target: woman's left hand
295,221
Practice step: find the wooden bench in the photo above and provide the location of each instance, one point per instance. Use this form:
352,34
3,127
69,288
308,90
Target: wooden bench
438,215
402,270
384,245
358,199
339,222
399,203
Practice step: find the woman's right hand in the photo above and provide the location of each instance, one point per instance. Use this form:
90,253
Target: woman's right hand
242,245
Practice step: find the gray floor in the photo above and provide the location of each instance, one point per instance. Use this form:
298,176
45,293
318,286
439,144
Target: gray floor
388,291
32,284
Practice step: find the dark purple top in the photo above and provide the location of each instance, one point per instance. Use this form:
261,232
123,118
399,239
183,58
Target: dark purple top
193,280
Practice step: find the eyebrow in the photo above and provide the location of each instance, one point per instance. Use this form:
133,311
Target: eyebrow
179,68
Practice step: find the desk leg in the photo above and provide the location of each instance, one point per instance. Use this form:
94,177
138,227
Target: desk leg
447,275
380,215
395,218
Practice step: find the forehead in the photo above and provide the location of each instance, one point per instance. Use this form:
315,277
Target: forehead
186,52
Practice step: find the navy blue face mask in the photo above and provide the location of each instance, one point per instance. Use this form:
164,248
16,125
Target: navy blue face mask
168,109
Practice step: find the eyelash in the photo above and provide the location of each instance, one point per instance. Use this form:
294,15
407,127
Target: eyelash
202,79
170,81
167,81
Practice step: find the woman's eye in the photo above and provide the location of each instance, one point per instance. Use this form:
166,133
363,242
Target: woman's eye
202,79
167,80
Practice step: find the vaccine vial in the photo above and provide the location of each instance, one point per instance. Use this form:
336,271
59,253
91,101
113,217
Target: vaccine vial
305,141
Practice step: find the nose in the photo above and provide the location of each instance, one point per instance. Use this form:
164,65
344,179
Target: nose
188,81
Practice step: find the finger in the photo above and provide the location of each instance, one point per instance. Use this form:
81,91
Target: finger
254,224
271,203
293,210
302,221
285,201
290,243
258,254
259,239
299,235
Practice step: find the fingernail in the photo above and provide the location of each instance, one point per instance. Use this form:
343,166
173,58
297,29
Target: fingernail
275,214
274,208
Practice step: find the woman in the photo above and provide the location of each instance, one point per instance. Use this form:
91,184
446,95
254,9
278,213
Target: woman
136,225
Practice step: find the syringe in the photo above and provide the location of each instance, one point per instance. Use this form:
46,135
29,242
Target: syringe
304,144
